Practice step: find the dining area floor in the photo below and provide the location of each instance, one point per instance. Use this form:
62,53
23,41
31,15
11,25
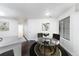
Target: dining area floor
28,49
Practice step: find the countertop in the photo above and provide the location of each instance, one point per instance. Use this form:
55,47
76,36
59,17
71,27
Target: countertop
11,40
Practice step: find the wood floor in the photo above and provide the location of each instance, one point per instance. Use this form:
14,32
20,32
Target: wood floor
26,47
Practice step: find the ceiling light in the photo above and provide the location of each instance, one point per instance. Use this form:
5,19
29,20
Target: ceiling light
2,13
47,14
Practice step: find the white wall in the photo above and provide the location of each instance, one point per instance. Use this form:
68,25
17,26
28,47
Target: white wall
75,32
13,28
34,26
72,45
67,44
8,15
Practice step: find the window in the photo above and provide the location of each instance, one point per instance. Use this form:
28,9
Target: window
65,28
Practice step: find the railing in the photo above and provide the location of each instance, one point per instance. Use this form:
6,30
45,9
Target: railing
26,36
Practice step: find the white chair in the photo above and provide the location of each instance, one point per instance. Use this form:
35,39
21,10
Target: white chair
56,39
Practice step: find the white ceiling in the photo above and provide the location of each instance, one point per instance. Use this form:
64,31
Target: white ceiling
37,10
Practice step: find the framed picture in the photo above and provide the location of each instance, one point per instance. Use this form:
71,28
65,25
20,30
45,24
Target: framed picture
45,26
4,26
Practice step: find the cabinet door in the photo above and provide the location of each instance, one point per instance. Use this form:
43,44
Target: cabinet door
8,53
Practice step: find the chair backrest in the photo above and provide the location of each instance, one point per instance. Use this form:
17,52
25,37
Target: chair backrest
40,35
56,36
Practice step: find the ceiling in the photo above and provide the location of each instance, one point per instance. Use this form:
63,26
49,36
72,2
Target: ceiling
37,10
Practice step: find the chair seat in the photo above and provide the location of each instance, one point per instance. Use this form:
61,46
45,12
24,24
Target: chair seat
55,41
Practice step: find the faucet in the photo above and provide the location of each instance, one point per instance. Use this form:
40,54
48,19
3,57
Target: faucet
1,38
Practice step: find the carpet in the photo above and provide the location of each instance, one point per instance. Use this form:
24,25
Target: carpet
40,50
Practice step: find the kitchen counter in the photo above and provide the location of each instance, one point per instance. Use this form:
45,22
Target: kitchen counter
11,43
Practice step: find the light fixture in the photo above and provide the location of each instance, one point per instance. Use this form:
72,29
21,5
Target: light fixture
2,13
47,13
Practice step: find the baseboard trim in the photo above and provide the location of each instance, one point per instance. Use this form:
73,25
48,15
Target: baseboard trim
64,50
